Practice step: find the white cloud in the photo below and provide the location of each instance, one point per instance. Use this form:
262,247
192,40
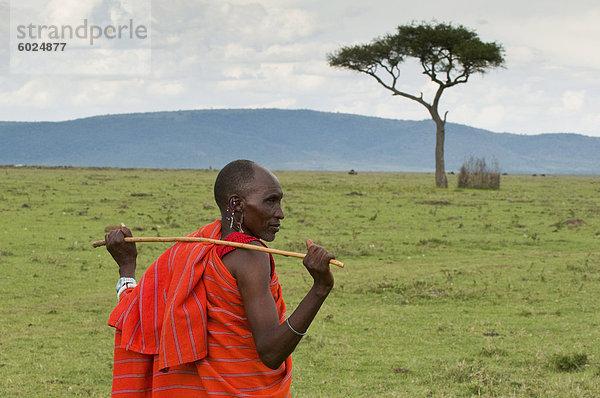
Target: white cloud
572,101
61,11
166,88
520,55
550,34
33,93
98,93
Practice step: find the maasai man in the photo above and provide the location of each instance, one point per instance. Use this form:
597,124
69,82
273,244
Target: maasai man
208,320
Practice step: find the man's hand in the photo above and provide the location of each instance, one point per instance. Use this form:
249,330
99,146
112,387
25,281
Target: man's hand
124,253
317,264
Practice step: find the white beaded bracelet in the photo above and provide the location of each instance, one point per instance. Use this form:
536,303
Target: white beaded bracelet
294,330
126,285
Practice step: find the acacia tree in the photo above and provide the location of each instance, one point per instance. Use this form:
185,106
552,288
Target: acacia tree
448,54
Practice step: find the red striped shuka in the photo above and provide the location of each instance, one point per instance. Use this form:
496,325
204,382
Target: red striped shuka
183,332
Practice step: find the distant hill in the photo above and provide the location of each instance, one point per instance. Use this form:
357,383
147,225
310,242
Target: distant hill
283,140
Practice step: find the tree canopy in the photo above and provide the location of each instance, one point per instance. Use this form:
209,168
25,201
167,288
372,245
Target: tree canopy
449,55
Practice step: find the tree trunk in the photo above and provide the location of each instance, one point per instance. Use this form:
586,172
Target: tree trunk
440,169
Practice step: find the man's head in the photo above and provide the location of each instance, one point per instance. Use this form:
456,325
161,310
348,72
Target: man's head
251,194
234,178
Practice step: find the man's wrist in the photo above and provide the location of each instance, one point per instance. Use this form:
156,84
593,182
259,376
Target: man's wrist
125,283
127,271
321,291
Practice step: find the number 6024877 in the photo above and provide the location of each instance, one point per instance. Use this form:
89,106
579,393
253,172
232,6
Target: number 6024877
41,46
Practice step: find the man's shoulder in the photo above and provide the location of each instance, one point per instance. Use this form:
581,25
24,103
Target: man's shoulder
242,262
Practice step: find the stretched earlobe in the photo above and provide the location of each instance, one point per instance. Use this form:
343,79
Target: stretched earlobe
240,229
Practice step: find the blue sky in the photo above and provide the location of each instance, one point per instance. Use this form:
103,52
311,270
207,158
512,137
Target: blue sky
272,53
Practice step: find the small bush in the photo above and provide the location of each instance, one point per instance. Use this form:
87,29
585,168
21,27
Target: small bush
569,362
476,173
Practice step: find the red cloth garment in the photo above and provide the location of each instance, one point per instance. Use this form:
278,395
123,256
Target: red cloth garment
242,238
182,332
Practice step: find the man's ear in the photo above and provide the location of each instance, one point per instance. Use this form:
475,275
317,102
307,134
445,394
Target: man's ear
235,202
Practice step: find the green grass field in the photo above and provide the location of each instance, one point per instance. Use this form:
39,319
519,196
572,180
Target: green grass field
446,293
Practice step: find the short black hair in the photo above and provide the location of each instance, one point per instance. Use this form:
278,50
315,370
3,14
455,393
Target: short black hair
234,178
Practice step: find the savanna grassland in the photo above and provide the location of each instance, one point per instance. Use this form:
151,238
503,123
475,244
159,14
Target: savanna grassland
445,293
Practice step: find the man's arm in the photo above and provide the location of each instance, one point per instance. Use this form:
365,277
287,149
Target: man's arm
275,342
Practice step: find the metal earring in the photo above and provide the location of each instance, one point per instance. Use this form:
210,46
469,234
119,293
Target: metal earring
232,218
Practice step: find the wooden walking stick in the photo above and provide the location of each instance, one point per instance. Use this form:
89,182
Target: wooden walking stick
216,242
